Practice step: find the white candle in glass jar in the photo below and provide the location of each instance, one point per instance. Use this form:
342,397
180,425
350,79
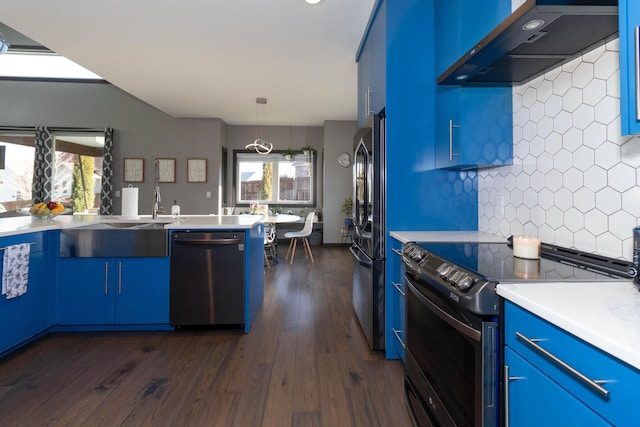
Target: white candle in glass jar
526,247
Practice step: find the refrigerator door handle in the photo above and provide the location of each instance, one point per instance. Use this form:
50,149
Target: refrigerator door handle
365,262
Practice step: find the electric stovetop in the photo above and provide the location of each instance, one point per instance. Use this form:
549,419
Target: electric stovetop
495,262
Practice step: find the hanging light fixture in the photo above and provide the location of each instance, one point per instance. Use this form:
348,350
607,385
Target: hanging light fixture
4,45
260,145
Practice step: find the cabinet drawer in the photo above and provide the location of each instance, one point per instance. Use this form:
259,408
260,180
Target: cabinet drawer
620,380
37,241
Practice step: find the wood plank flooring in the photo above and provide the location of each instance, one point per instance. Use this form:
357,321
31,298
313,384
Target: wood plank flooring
304,363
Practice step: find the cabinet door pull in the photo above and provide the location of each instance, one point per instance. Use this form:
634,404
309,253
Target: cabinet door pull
106,277
451,126
509,379
594,384
119,278
637,43
398,287
397,251
397,333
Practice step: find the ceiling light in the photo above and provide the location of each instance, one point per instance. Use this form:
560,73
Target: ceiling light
462,77
533,25
4,45
313,1
260,145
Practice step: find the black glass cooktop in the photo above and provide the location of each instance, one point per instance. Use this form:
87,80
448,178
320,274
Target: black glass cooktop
495,262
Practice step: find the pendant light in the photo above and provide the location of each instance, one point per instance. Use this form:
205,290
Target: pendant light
260,145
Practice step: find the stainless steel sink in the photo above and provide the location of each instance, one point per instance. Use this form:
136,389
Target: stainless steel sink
115,240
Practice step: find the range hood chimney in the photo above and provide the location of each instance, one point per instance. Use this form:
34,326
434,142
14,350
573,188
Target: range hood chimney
536,37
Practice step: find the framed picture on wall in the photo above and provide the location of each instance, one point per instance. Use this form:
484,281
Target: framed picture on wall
196,170
167,170
133,170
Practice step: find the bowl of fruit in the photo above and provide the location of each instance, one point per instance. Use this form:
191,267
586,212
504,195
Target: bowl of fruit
44,210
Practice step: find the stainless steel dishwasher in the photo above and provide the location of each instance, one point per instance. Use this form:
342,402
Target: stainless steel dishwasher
207,278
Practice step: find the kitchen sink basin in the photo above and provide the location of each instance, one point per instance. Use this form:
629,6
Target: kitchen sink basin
115,240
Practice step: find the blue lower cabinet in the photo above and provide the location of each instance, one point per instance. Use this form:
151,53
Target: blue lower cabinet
555,378
534,399
113,291
395,347
26,316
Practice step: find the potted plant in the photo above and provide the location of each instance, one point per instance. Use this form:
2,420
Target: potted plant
347,208
308,150
289,154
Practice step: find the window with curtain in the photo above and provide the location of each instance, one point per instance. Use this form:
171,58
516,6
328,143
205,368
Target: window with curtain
16,172
78,172
273,179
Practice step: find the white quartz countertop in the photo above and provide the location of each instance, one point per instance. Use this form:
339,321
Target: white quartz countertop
26,224
446,236
606,315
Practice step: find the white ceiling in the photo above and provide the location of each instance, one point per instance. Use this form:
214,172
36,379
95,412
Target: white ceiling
211,58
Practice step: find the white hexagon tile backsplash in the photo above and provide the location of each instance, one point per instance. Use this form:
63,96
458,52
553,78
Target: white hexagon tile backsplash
574,180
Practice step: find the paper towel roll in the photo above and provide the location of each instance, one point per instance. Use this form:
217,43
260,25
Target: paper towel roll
130,202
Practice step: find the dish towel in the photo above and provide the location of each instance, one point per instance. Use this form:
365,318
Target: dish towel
15,274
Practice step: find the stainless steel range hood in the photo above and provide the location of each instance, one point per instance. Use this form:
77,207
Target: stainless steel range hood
538,36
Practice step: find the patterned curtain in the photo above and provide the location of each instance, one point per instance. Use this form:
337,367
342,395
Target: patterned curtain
106,193
42,165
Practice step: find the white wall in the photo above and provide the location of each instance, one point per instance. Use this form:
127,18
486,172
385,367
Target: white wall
574,179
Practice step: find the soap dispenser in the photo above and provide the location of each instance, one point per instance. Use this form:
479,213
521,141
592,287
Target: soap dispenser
175,210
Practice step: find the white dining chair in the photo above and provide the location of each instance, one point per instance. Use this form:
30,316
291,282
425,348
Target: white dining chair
302,234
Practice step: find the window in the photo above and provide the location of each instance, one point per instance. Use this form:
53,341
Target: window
78,172
272,179
16,178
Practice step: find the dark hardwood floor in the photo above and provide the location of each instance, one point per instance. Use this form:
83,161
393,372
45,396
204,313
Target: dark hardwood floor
304,363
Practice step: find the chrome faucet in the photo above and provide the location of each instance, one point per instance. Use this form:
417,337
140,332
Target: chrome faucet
156,208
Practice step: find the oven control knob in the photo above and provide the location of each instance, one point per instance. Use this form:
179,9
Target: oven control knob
454,277
465,282
444,269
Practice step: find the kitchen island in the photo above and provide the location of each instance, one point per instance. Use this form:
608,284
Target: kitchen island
74,293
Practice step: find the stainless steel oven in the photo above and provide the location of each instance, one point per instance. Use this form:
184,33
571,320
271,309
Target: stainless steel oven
451,364
452,332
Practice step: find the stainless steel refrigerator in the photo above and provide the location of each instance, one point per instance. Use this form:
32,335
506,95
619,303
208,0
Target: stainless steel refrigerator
368,248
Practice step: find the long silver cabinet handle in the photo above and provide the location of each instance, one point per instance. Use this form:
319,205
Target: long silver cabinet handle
106,277
119,278
637,40
397,251
594,384
451,126
397,333
398,287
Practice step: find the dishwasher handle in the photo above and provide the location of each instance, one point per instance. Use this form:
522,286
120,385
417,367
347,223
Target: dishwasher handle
223,241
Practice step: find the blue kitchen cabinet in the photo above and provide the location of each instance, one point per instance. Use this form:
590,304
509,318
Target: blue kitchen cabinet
473,125
534,356
629,18
396,290
371,58
534,399
26,316
113,291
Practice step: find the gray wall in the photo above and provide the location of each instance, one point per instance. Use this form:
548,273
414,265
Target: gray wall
239,136
145,132
140,131
338,181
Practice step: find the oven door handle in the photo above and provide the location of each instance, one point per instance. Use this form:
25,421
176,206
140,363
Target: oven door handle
466,330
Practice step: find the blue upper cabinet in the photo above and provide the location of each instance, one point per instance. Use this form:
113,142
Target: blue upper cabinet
372,66
629,16
474,125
